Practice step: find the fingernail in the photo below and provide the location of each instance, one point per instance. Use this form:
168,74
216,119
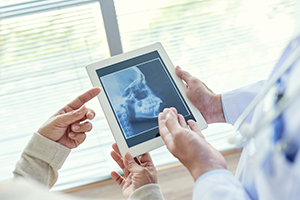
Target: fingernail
91,115
167,115
128,156
72,134
166,111
76,127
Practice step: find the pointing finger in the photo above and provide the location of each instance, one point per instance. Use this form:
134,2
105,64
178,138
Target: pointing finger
85,97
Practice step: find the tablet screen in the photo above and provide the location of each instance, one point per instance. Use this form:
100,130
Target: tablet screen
138,89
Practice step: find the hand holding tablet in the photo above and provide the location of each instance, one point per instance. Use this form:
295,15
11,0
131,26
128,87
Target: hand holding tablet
137,86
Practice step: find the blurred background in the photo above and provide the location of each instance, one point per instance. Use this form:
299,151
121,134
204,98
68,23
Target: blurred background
45,45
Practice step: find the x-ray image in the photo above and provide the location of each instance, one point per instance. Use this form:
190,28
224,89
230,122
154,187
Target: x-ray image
141,101
133,100
137,94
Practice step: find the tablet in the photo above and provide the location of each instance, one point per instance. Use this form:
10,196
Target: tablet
136,87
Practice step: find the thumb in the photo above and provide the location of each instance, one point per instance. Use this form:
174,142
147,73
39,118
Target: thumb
130,163
184,75
72,116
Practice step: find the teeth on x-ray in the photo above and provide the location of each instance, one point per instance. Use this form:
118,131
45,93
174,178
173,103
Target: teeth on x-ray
138,90
138,100
140,97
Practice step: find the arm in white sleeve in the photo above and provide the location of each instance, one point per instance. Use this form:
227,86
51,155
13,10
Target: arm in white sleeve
41,160
219,184
236,101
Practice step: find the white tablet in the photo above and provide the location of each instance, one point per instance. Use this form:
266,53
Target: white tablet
136,87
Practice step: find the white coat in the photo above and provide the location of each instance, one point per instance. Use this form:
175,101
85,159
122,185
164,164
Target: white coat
269,167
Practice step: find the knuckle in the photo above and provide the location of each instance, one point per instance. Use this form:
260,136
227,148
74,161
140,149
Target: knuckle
179,135
185,73
119,180
194,80
144,171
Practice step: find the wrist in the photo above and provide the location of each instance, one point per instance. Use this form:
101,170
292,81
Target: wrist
47,150
219,113
196,170
223,172
196,173
149,191
45,131
215,110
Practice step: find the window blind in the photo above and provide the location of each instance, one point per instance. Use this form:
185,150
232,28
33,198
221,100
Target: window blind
226,44
45,45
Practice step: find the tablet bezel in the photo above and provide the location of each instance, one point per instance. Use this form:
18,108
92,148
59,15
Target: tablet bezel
109,113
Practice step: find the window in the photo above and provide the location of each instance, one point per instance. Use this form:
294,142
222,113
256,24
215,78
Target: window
44,48
45,45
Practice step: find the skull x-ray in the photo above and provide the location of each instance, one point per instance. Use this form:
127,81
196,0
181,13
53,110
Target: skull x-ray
137,94
132,99
138,97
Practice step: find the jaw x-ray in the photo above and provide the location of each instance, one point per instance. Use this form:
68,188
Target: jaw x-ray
132,99
138,97
137,94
